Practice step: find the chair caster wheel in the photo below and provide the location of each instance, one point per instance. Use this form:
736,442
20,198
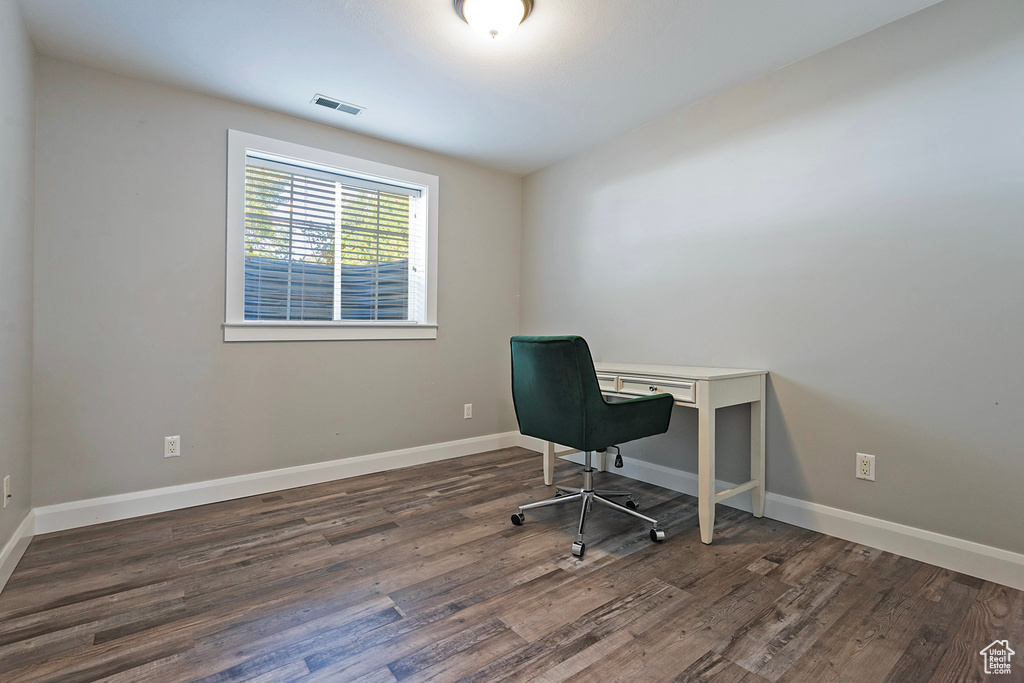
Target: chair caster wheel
579,549
631,504
518,518
657,535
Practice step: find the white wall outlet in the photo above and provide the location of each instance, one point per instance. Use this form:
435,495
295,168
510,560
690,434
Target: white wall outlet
865,466
172,446
467,411
7,489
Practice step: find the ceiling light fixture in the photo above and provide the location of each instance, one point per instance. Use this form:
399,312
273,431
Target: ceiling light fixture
494,18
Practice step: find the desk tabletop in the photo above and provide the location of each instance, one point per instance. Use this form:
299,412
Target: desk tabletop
680,371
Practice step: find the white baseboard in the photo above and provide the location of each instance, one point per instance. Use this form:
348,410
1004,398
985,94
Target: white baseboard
123,506
15,548
975,559
535,444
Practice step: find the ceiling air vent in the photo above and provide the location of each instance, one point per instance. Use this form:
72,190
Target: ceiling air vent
330,103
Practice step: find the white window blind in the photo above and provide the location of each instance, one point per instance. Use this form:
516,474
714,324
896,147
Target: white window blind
321,244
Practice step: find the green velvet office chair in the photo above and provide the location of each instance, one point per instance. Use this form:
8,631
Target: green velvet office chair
557,398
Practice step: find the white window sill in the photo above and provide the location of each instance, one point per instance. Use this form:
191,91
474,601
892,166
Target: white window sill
312,331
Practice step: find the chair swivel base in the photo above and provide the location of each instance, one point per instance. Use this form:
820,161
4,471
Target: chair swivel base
587,495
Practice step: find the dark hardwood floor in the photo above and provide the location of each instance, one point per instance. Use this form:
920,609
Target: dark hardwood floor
418,575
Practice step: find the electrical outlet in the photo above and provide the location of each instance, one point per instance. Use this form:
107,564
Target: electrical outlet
7,489
467,411
172,446
865,466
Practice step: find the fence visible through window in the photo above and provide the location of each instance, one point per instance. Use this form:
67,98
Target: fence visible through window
323,247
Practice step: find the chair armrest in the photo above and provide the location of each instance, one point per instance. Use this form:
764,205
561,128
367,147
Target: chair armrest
631,419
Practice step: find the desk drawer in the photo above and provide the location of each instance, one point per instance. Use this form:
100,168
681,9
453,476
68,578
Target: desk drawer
608,382
682,390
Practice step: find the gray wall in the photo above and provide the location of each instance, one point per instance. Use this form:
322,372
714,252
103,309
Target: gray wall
853,223
129,301
17,137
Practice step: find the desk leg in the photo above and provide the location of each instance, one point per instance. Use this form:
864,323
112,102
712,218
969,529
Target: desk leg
549,463
705,463
757,453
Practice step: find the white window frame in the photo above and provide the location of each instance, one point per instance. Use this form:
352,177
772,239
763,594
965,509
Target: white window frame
237,328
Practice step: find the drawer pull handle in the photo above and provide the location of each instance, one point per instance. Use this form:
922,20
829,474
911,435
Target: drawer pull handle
653,388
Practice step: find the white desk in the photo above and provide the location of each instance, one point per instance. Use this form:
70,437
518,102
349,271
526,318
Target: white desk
705,389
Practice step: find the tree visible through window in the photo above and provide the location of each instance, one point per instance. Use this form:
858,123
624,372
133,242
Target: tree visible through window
323,246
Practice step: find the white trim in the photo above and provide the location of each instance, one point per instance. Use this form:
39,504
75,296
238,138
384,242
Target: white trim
123,506
976,559
236,328
15,548
302,331
992,564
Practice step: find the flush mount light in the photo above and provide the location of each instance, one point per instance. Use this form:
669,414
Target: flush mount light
494,18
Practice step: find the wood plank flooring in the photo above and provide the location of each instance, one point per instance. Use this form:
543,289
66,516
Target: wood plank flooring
418,575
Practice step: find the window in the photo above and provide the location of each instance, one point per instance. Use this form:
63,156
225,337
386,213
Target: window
326,246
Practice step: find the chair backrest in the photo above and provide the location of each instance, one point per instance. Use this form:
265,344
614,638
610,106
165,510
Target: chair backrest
554,388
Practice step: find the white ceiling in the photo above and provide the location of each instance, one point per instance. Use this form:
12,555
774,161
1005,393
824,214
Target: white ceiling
576,73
